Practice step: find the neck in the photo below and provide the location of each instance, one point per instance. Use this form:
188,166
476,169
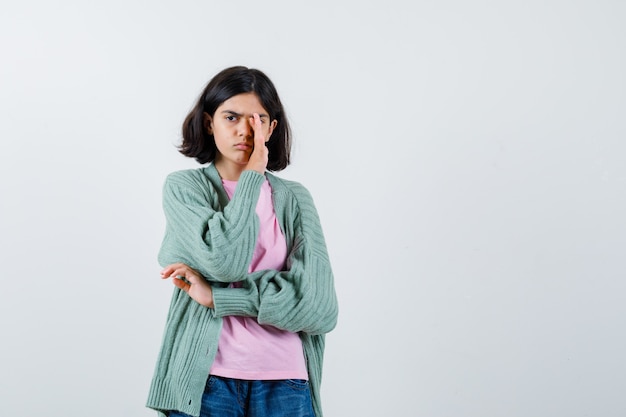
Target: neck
229,172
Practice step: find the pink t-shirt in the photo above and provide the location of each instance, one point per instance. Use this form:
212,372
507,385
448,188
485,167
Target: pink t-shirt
246,349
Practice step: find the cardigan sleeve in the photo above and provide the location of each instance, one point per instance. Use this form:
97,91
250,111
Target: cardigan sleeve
300,299
218,244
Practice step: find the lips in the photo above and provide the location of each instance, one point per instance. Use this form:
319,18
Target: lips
243,146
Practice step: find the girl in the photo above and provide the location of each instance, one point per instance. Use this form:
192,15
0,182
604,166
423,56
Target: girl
254,289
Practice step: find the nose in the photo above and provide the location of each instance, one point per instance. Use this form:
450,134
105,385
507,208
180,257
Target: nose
244,128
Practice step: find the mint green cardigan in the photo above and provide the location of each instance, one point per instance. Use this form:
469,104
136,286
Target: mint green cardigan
217,237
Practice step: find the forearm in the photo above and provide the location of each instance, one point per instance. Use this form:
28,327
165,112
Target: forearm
291,300
299,299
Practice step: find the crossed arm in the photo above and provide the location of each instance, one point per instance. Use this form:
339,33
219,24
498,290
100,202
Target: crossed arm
219,248
297,300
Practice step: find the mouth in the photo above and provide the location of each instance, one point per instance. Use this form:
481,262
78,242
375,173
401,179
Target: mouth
243,146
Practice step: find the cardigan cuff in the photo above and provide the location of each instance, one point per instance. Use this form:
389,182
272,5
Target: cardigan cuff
249,184
229,301
246,195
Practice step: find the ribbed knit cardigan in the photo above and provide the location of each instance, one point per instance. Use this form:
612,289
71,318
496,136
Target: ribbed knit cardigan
217,237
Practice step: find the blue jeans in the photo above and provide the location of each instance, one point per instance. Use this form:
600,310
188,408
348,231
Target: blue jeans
226,397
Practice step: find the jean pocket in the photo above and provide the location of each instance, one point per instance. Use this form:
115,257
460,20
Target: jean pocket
298,384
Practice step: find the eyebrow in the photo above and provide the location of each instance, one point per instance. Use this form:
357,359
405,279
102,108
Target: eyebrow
234,113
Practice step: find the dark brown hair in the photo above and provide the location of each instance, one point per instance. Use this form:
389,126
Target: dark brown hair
198,143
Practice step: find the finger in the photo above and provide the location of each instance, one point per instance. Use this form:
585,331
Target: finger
180,273
185,274
174,275
167,271
181,284
257,126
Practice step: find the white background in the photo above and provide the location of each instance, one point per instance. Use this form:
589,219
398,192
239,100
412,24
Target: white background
467,159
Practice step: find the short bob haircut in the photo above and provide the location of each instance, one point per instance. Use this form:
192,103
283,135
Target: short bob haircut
198,143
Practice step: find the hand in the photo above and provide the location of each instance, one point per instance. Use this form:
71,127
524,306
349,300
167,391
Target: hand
260,153
190,281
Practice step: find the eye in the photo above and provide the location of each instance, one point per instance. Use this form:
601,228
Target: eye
231,118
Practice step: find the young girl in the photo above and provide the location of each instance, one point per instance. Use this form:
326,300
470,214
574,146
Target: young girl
254,289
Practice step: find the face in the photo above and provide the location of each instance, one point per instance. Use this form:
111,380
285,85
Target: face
231,126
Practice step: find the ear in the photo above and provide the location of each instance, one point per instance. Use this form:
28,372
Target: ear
208,123
271,129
